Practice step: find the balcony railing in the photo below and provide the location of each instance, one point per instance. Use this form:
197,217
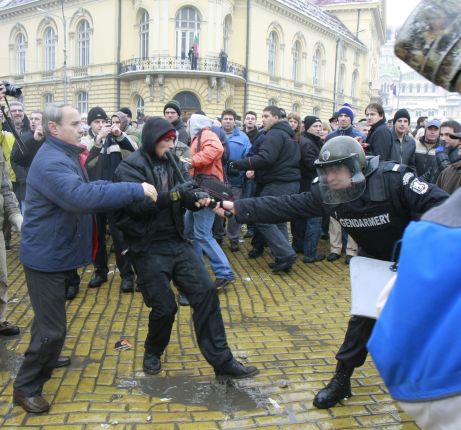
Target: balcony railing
80,71
206,64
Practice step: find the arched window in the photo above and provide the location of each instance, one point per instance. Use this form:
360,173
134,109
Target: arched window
410,89
355,83
83,41
316,111
82,102
48,98
272,102
226,32
20,54
317,66
272,53
426,88
188,101
296,60
140,104
187,31
418,88
144,35
50,49
403,88
295,108
342,79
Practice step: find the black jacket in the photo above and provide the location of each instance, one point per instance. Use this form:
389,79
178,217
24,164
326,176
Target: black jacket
403,152
310,148
181,131
425,160
29,150
380,139
278,157
393,197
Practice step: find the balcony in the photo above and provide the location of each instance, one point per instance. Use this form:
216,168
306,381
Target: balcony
206,66
48,75
79,72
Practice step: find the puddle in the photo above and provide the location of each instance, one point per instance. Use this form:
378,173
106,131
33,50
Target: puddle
225,396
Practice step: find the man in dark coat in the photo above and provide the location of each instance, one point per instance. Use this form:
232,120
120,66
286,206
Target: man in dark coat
172,113
379,137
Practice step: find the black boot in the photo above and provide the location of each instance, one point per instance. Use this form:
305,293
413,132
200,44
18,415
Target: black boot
337,389
127,285
97,280
284,264
72,291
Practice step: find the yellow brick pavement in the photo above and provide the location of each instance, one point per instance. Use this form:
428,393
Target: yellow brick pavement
290,326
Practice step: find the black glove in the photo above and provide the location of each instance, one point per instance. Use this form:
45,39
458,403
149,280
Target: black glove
189,198
178,190
232,169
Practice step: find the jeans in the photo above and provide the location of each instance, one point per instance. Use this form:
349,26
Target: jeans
198,228
312,236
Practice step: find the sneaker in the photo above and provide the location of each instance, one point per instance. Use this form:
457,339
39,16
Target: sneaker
97,280
319,257
8,329
284,264
220,283
332,256
234,246
236,370
151,364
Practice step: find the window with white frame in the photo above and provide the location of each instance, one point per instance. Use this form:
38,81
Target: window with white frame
48,99
226,33
50,49
272,53
355,83
317,64
83,42
187,30
296,60
82,102
21,52
144,35
140,104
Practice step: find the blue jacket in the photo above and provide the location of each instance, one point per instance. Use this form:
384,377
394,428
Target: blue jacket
349,131
239,145
57,230
416,343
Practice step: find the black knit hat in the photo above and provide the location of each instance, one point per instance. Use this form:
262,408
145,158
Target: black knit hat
310,120
402,113
173,104
127,111
96,113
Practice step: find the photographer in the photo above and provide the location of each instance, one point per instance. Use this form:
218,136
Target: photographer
160,253
106,142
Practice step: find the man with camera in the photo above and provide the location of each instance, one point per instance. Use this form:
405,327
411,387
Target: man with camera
8,211
160,252
105,142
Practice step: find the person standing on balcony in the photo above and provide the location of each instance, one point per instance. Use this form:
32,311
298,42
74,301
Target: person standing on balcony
223,61
192,58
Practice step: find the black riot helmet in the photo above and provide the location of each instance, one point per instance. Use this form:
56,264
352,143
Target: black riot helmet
340,168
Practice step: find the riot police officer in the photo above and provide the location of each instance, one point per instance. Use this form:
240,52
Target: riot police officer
374,201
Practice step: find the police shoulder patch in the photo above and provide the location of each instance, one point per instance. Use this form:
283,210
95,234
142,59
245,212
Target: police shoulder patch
407,177
419,187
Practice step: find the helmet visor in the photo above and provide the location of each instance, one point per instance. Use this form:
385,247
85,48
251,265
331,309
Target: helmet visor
341,181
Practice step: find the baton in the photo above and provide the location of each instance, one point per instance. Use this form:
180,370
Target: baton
178,172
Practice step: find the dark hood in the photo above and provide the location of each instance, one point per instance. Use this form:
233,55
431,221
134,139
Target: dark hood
154,128
283,126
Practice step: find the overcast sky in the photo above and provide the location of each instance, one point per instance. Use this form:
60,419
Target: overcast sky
398,11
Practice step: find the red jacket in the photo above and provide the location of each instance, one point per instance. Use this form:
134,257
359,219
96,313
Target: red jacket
208,160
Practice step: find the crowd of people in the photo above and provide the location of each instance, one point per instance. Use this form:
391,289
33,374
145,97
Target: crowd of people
170,192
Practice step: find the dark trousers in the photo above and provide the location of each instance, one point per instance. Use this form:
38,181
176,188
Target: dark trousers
353,351
47,292
175,260
121,257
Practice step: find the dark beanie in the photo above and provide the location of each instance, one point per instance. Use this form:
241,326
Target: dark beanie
96,113
401,113
310,120
126,111
173,104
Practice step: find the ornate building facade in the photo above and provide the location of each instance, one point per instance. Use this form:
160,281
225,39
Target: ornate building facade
207,54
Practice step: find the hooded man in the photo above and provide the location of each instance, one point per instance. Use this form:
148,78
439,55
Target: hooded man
161,253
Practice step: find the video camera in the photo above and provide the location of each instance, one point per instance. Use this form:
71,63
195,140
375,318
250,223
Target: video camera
12,90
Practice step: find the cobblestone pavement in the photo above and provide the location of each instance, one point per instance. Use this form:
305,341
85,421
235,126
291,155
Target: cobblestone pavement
290,326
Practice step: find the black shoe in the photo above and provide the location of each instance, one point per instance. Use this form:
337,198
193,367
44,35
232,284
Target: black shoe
151,364
235,369
35,404
8,329
7,245
234,246
62,362
220,283
97,280
333,256
325,236
319,257
72,291
248,234
127,285
348,259
284,264
255,253
337,389
183,300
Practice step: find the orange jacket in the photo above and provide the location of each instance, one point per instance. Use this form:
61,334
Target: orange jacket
208,160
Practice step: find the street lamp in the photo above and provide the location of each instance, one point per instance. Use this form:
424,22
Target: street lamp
64,24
